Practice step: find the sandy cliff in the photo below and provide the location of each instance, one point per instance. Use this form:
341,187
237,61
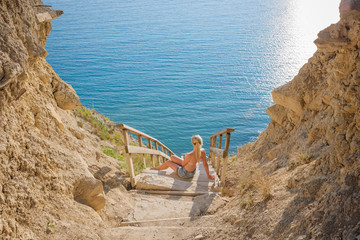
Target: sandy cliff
310,152
48,161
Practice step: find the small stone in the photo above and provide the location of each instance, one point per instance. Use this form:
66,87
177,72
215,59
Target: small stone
2,147
199,237
77,134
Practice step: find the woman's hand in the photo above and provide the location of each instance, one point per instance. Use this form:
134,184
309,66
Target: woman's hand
212,177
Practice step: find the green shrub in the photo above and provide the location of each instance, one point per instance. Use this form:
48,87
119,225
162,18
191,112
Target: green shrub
117,139
83,112
123,165
102,126
113,153
138,166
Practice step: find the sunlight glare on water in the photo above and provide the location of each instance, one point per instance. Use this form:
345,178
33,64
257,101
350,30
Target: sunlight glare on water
303,20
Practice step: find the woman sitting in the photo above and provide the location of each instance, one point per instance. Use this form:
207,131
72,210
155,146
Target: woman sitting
185,168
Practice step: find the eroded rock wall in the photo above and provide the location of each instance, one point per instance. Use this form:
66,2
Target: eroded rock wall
44,154
317,115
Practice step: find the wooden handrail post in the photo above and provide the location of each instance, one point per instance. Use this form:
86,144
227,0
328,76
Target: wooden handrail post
141,145
162,149
227,145
217,169
225,159
151,156
212,155
220,141
218,154
129,159
157,156
218,158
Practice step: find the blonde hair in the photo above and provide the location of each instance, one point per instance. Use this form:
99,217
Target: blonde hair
197,141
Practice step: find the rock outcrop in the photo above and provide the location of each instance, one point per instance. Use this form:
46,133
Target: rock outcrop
45,153
311,148
89,191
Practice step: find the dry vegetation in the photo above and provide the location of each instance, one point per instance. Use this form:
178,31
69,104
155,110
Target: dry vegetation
300,159
105,129
253,183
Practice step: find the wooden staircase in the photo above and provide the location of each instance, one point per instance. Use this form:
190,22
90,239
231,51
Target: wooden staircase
166,205
167,180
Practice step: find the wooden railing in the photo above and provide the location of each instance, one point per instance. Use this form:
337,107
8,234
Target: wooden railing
218,155
154,148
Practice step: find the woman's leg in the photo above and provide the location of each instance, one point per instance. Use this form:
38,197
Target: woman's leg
176,160
166,165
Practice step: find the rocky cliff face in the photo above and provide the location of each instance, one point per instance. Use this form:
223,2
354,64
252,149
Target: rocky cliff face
48,161
311,148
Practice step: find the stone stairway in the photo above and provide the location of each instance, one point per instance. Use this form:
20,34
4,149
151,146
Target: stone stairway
151,233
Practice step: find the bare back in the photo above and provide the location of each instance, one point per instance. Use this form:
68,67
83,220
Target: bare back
190,160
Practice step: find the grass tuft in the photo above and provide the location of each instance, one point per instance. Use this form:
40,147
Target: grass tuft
80,124
50,225
102,126
113,153
253,183
247,201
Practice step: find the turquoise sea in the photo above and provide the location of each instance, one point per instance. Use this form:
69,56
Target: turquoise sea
177,68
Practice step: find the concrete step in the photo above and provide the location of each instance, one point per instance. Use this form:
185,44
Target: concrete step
152,207
166,222
168,180
151,233
176,193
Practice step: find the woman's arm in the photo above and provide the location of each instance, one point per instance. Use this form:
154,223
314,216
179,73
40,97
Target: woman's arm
203,157
186,160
